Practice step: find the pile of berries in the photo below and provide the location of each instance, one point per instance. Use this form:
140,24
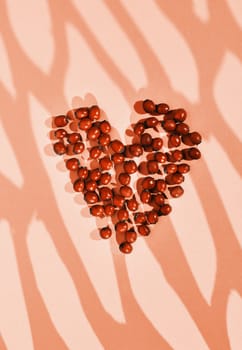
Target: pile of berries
129,183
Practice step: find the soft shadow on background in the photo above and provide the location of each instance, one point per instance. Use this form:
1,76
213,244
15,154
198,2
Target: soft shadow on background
19,205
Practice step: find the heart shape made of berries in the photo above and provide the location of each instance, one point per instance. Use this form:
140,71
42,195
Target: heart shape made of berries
129,183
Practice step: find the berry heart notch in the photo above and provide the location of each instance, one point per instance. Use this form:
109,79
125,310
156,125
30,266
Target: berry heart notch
127,186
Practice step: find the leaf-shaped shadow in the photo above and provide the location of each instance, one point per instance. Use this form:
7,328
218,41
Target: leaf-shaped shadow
12,304
234,319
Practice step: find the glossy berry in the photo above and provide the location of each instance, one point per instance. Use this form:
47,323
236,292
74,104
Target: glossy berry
60,134
82,112
95,152
186,154
176,191
145,196
160,157
143,230
146,139
162,108
91,197
183,168
174,141
105,232
169,125
117,146
142,168
97,210
165,209
159,199
118,201
182,129
60,121
179,114
157,143
121,227
132,204
148,183
72,164
140,218
176,155
151,122
136,150
152,217
94,112
194,153
124,178
109,209
85,124
117,158
196,138
125,247
127,153
130,236
126,191
105,127
104,140
93,133
170,168
59,148
122,214
152,167
105,179
83,172
105,193
139,129
78,147
105,163
95,174
73,137
174,179
160,185
186,139
79,185
149,106
130,167
90,185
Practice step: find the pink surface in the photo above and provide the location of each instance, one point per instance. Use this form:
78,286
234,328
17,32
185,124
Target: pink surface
62,287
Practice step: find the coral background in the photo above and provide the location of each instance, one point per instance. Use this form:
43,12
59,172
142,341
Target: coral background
62,287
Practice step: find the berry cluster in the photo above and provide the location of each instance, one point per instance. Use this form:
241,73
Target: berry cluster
105,170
